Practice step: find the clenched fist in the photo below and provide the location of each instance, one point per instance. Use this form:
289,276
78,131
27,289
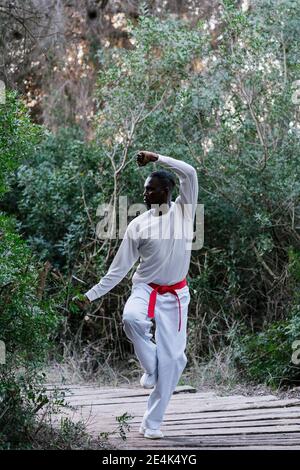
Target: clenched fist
144,157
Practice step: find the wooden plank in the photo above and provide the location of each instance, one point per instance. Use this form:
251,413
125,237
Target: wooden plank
199,444
175,447
245,438
217,419
179,428
84,386
235,439
191,401
191,407
178,397
102,395
223,431
100,388
187,442
140,390
207,416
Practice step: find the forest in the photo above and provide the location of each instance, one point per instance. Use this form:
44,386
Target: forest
84,86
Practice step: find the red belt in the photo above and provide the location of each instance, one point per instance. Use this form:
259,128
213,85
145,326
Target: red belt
159,289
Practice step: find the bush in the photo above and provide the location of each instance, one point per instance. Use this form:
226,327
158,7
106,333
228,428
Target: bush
266,356
49,192
18,136
27,321
26,326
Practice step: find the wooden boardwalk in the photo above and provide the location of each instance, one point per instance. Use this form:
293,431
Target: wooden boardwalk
193,420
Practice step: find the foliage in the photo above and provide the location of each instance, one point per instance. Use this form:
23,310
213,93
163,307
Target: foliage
267,356
26,320
226,107
235,121
26,326
50,189
121,429
18,135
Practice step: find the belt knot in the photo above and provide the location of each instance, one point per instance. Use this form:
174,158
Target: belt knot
161,289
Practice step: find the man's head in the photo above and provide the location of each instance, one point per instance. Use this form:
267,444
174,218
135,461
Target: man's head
158,188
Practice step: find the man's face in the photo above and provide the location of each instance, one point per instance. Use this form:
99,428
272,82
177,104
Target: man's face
154,192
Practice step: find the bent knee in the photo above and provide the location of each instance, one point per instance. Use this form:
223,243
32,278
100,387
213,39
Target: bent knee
176,359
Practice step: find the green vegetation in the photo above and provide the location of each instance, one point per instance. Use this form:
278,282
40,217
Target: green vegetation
227,108
28,320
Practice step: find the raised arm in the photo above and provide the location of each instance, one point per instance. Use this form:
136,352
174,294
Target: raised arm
188,190
125,258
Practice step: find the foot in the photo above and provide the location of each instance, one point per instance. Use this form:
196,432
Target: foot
148,380
153,434
142,430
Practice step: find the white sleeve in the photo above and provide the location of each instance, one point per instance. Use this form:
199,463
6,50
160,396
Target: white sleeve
188,190
124,259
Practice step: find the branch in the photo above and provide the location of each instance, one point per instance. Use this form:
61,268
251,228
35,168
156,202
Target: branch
257,124
260,259
85,206
156,106
42,279
284,59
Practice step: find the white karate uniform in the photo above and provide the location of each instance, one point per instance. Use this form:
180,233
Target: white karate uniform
163,244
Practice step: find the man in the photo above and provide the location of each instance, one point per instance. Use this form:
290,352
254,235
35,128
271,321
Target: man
161,237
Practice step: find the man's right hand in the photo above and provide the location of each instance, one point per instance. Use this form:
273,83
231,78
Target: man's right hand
81,301
145,157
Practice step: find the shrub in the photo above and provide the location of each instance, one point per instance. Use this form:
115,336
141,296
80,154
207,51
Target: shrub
266,356
27,321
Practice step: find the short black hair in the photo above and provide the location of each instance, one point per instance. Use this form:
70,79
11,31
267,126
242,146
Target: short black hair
166,178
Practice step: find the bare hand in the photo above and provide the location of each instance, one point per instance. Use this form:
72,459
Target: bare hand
145,157
81,301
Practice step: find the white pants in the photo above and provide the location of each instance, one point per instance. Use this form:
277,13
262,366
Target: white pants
167,355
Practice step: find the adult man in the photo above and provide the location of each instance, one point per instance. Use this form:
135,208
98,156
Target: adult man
161,237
